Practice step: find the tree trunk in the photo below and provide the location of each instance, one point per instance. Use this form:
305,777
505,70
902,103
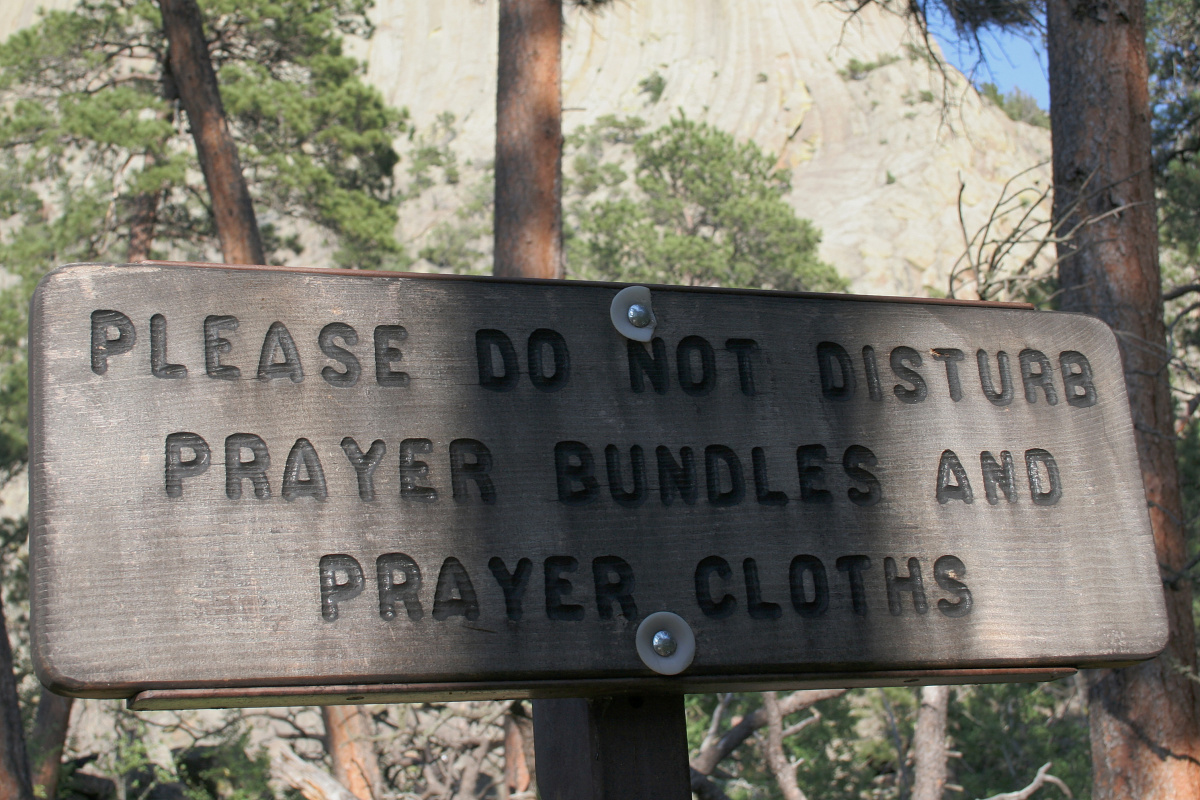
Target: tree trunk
351,751
196,82
528,208
14,767
1145,736
142,224
528,201
518,747
46,744
929,744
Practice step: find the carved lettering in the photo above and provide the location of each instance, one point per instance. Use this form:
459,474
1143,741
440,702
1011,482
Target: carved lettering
341,579
952,480
705,570
1043,378
897,586
254,470
454,595
653,365
1005,395
836,371
279,339
803,572
413,471
762,484
539,340
177,467
616,483
903,361
867,490
951,356
697,365
491,344
512,584
104,347
614,584
755,605
327,341
998,477
470,462
303,456
364,465
1077,379
744,349
676,478
399,580
216,346
558,588
159,363
949,571
716,456
387,354
854,567
810,463
1045,484
574,466
871,368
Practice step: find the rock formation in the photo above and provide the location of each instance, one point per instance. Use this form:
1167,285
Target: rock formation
876,136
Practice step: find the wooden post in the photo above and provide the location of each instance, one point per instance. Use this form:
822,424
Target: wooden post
631,747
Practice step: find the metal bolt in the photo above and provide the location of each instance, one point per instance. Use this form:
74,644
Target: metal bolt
639,316
664,644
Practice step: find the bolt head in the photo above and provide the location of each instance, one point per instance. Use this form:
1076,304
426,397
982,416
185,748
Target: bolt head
664,644
639,315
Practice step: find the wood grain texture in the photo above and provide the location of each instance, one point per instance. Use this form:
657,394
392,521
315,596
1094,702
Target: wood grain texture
377,693
134,589
612,748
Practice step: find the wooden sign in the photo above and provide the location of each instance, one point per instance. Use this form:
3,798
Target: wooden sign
264,482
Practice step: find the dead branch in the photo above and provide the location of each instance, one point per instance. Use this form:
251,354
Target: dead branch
312,782
1180,291
704,787
708,758
1042,778
783,769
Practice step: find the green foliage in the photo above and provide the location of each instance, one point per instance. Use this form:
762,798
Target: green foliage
856,70
227,770
1017,105
92,135
852,747
219,764
461,246
432,151
653,86
1174,45
704,210
1007,731
859,746
93,117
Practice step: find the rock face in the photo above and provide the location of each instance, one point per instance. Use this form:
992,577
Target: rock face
876,148
876,138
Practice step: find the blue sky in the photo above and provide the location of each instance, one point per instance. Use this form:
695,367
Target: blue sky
1009,61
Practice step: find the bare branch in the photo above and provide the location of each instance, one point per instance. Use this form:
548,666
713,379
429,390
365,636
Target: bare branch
1042,778
708,758
783,770
1180,291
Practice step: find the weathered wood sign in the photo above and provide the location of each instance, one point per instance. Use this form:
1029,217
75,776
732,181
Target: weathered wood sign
280,480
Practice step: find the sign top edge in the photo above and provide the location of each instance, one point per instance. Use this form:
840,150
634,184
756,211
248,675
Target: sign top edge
719,290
